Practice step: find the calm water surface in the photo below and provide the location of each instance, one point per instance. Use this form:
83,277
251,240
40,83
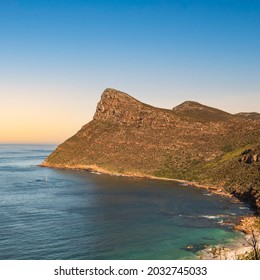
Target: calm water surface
60,214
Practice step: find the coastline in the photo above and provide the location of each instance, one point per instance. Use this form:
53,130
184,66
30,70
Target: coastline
232,251
240,248
100,170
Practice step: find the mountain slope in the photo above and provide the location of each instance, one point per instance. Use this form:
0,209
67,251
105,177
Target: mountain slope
192,142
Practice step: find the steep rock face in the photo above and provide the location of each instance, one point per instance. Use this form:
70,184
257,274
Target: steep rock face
191,142
118,107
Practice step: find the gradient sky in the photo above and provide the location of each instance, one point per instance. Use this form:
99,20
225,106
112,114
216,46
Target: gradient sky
56,58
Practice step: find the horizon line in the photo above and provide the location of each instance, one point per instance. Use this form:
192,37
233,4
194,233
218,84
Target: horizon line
26,143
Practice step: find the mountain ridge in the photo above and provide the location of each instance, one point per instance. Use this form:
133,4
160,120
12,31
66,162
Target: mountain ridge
249,115
201,112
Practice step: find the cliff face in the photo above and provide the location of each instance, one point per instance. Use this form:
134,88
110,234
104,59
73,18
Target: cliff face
192,142
115,106
120,108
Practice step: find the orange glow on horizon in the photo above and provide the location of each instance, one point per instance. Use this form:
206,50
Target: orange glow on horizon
40,119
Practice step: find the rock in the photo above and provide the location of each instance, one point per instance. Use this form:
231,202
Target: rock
249,156
248,159
121,108
248,225
256,158
245,152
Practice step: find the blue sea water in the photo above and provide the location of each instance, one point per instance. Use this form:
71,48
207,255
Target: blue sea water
61,214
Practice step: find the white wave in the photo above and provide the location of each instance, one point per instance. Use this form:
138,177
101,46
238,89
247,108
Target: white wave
208,194
209,217
184,184
95,172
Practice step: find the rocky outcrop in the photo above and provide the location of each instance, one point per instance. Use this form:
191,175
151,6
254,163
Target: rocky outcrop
118,107
248,225
249,156
250,195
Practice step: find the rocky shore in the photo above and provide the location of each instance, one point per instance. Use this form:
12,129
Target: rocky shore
242,248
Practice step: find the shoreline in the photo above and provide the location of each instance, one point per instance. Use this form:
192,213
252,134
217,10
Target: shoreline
230,251
233,251
240,248
100,170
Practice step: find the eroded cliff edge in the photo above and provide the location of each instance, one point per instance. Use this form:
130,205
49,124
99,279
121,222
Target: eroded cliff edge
192,142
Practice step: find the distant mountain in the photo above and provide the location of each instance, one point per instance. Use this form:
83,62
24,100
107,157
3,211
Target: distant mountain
201,112
191,142
252,115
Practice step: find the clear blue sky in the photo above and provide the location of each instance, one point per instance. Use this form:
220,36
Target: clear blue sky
57,57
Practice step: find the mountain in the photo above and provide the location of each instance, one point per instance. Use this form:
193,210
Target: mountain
201,112
252,115
191,142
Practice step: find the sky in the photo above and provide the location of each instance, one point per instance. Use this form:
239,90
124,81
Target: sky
57,57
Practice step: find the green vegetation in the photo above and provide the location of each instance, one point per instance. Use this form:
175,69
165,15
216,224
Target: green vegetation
257,224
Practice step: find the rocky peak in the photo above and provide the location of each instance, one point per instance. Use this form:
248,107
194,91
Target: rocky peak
188,105
119,107
112,99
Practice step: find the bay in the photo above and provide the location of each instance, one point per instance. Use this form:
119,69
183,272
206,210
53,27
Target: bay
66,214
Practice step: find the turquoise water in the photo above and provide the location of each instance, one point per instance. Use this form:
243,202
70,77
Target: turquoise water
60,214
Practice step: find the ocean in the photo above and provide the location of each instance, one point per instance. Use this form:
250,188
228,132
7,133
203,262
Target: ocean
64,214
